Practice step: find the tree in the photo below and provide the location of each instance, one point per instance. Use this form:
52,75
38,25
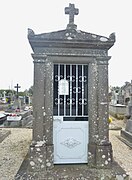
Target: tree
7,91
30,91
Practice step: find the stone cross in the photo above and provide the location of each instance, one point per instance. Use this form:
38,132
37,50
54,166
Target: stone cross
4,96
17,87
72,11
4,93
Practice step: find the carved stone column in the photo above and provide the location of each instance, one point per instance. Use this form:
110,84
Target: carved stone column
37,155
48,113
41,150
38,98
92,112
104,149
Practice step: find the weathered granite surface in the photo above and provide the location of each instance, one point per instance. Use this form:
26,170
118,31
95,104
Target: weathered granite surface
73,172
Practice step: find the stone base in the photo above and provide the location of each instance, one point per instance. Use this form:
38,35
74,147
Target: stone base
38,165
40,157
73,172
100,156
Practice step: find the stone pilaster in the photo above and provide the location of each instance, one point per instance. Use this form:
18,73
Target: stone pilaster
37,153
48,113
38,99
92,112
104,148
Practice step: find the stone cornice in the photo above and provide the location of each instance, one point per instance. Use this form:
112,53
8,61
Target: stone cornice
42,58
72,51
70,44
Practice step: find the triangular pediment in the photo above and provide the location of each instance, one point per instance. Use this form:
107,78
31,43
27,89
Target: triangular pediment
70,38
69,34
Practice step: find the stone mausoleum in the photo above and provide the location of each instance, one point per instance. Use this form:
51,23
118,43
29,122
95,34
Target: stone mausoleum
70,105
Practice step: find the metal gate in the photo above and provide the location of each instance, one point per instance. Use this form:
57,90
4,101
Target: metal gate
70,108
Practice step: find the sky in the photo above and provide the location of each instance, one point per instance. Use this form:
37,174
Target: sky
101,17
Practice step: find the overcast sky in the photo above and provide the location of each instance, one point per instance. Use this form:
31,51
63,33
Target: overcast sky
101,17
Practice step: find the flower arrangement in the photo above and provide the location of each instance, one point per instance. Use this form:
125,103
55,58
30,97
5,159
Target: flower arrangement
110,120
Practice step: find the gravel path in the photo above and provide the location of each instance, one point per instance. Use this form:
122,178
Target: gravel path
121,152
14,148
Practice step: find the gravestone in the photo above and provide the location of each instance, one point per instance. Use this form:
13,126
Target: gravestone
70,105
126,134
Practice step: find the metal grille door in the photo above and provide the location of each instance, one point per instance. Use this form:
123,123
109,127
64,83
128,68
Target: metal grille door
71,90
70,124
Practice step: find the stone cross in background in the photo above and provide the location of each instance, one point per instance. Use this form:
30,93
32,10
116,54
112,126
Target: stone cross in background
72,11
4,96
17,87
4,93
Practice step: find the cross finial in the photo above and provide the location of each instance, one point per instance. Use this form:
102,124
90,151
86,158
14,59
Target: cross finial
72,11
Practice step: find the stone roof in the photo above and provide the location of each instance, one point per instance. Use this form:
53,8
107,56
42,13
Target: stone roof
70,38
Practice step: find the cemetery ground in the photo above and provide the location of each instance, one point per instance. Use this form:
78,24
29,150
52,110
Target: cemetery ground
15,146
